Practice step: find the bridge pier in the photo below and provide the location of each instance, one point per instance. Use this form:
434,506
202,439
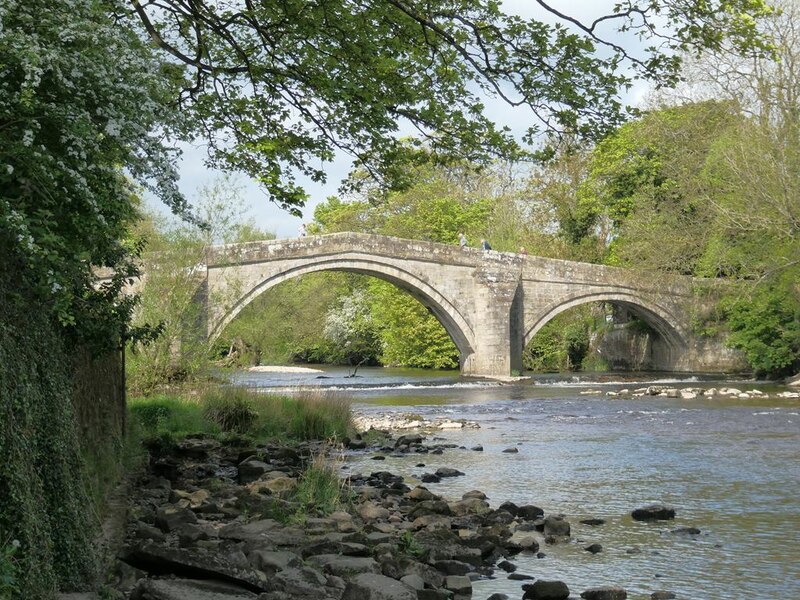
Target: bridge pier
498,339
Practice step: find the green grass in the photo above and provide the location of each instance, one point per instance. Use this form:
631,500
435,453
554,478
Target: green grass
220,410
320,490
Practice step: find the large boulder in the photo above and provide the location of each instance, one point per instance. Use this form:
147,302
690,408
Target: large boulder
448,472
369,586
303,582
181,589
271,561
653,512
605,593
170,518
529,512
335,564
193,564
251,470
557,526
408,440
547,590
469,506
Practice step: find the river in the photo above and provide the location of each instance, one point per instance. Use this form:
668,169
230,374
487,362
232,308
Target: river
730,467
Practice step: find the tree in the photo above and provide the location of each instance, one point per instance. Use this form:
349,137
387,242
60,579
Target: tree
281,86
646,187
81,98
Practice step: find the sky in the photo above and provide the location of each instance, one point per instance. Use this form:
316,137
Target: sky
194,175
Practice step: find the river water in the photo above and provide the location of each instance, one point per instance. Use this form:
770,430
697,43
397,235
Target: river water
730,467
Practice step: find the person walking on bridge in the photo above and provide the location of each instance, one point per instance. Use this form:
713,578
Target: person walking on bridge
485,245
462,239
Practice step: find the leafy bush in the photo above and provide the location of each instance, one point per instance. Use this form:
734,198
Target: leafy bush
765,325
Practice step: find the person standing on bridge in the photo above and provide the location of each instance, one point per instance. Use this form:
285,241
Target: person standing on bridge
302,230
485,245
462,239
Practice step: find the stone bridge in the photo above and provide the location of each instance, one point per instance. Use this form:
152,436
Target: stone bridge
491,303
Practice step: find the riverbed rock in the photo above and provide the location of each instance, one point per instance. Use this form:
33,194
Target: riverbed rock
420,493
409,439
303,582
529,512
270,561
653,512
460,585
474,494
605,593
371,512
193,563
169,518
593,522
547,590
594,548
663,595
448,472
342,566
452,567
251,470
556,526
507,566
512,450
685,531
470,506
181,589
369,586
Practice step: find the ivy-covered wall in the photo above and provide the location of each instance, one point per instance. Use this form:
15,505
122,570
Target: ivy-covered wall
46,511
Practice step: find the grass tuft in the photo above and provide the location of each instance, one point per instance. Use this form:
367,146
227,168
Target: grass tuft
320,489
231,409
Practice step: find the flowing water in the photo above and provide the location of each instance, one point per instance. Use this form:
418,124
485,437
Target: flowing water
730,466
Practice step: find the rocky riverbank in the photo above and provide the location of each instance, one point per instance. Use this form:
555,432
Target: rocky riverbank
213,521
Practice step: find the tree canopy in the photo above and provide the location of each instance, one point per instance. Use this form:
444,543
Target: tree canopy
279,87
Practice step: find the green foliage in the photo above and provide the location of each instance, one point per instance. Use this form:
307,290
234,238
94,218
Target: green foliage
645,181
408,545
80,99
410,335
282,87
563,343
8,568
164,420
169,296
765,326
351,330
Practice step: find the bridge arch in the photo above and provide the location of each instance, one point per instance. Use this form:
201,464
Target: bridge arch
662,320
446,312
